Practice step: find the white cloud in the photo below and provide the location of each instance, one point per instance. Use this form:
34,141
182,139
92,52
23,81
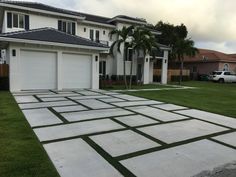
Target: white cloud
210,22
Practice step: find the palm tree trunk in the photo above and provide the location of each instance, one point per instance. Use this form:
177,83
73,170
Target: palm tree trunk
131,74
181,71
124,66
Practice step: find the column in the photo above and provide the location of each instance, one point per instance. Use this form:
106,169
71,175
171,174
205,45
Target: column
95,71
164,70
146,69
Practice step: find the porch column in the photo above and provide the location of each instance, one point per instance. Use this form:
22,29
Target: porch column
95,71
164,70
146,69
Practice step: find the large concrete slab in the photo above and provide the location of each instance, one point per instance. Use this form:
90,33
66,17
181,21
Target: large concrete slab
26,99
229,138
136,103
41,117
179,131
157,113
46,104
76,158
94,114
75,129
87,93
129,97
94,104
70,108
58,95
211,117
28,93
123,142
181,161
89,97
54,99
111,100
136,120
170,107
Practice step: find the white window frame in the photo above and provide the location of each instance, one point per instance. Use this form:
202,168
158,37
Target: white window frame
94,34
18,20
67,28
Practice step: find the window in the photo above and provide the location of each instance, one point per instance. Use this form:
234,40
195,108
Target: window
102,68
66,26
84,29
15,20
97,36
226,67
91,34
21,21
227,73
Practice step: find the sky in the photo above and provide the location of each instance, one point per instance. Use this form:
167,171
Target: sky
211,23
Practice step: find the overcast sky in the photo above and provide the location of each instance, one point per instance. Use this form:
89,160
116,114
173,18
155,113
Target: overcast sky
211,23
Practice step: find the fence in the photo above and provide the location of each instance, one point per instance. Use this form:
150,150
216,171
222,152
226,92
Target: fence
4,70
173,74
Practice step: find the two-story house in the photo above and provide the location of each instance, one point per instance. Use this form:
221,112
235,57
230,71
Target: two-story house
52,48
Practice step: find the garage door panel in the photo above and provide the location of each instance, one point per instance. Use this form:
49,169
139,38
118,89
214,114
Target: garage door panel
38,70
77,71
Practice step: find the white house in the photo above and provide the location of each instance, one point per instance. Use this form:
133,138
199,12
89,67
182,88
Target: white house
53,48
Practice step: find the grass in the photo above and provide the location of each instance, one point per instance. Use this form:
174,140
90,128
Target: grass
148,86
21,154
208,96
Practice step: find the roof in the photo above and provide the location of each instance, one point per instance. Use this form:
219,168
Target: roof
40,6
51,35
206,55
89,17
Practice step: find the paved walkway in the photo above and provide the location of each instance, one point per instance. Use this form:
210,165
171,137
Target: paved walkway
90,133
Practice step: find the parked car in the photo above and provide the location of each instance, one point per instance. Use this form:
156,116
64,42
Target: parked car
223,76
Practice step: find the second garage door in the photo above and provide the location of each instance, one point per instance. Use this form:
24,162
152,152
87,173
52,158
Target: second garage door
76,71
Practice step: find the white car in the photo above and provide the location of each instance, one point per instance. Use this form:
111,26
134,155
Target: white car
223,76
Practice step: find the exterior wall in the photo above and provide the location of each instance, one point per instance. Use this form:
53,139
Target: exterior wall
15,73
202,68
39,21
232,66
86,34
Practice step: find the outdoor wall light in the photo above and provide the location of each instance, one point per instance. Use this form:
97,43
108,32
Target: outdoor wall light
13,52
96,58
146,59
165,61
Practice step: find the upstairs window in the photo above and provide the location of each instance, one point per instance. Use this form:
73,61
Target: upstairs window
66,26
97,36
91,34
15,20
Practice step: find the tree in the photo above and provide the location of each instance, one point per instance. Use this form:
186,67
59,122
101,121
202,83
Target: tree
176,38
122,36
183,47
142,41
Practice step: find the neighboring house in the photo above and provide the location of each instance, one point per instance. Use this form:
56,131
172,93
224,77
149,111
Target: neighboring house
52,48
207,61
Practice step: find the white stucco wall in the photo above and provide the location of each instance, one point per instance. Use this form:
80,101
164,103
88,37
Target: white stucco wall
15,73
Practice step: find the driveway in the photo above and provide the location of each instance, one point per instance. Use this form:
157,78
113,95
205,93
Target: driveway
96,133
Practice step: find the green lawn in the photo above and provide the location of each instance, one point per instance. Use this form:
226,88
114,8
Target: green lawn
208,96
21,154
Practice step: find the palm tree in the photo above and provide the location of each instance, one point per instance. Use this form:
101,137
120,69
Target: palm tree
142,41
183,47
122,37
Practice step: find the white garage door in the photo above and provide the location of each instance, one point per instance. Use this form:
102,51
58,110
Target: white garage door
38,70
77,71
